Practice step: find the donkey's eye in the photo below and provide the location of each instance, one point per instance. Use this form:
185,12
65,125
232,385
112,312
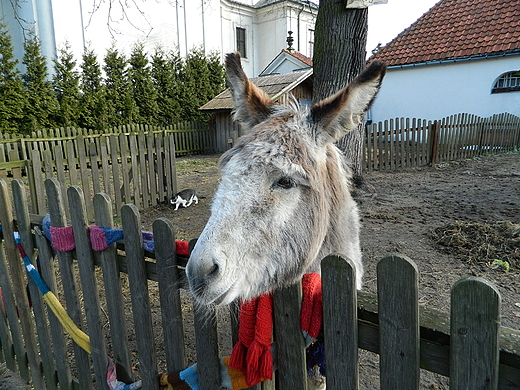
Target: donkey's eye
285,183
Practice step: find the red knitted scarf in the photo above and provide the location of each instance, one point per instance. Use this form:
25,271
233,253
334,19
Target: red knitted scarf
252,352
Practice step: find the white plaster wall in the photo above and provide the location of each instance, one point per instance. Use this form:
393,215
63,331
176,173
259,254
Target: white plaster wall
437,91
185,24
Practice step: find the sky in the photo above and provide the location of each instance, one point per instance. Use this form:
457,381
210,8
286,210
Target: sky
386,21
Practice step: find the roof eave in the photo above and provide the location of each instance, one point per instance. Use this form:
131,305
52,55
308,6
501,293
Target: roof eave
458,59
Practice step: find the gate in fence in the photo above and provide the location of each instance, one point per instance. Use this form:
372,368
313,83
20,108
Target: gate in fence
96,292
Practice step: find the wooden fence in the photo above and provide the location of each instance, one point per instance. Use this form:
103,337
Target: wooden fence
132,164
401,143
479,354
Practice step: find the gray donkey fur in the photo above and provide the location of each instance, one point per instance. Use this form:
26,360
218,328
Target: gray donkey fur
284,201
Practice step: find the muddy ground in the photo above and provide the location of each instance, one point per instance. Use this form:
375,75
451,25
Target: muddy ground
399,212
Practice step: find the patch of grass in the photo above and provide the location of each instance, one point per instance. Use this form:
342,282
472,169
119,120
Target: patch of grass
495,244
185,166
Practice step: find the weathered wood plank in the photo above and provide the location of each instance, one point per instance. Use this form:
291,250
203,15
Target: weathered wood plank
123,145
144,158
397,292
18,291
113,142
169,285
152,174
23,223
340,323
207,348
108,260
135,172
290,347
48,273
475,327
140,298
85,257
70,288
38,181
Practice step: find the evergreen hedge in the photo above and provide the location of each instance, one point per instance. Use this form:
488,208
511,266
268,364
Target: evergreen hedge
158,89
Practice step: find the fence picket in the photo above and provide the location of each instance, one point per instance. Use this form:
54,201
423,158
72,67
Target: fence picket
140,297
144,157
113,292
289,347
23,224
38,195
207,349
475,327
123,145
113,141
152,167
15,344
135,171
58,340
85,257
397,294
70,288
169,284
340,323
22,310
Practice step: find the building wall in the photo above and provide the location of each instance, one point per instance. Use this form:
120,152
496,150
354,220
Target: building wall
24,17
437,91
185,24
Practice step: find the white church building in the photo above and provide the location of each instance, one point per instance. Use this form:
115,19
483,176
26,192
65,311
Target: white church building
257,29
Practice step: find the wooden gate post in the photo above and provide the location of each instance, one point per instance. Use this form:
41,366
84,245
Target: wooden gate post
434,134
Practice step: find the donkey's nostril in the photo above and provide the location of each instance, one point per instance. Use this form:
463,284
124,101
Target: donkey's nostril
213,270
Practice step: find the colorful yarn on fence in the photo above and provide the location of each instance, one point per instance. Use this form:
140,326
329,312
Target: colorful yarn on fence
251,361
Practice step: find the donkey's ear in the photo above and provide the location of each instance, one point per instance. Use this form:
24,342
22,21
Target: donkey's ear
252,105
342,112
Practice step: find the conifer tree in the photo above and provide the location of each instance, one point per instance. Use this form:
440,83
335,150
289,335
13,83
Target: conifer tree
120,104
165,75
217,73
42,107
66,86
12,95
197,86
143,88
93,103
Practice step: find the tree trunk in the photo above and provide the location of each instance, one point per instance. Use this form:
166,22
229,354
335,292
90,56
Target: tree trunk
339,55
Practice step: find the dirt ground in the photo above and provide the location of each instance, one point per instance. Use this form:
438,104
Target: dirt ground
399,212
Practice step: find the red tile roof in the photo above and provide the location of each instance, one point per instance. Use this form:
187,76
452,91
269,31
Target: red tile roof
457,29
303,58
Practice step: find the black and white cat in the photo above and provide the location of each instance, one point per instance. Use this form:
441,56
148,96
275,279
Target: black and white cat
184,198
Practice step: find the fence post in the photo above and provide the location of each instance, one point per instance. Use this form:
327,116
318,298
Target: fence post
290,346
85,257
397,294
70,288
42,330
140,298
18,288
108,260
340,326
434,134
475,327
168,278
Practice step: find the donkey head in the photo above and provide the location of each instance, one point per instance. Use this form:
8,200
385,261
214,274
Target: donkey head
283,201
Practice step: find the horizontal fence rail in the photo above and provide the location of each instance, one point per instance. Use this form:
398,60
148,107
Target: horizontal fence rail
93,287
404,143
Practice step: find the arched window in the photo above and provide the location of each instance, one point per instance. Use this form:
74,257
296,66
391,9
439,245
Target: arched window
507,82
